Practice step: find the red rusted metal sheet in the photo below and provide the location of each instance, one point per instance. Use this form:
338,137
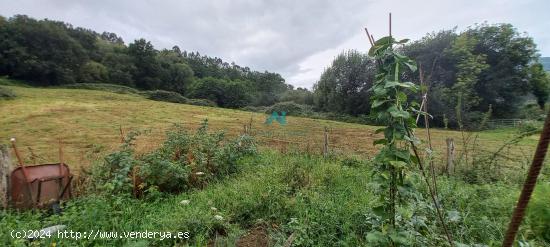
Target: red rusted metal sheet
41,186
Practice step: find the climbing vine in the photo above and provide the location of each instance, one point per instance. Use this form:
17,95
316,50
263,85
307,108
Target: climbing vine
399,155
391,108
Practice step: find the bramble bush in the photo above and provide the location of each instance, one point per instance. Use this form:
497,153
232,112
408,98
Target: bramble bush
184,161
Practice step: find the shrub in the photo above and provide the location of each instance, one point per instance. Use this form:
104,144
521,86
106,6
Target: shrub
103,87
166,96
202,102
539,212
112,175
261,109
532,111
290,108
193,160
529,126
184,161
6,93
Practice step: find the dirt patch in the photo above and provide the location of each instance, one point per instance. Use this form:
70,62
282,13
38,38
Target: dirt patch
256,237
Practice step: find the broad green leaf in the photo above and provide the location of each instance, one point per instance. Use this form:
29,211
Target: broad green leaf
380,45
380,130
402,97
412,65
379,91
378,103
402,154
403,41
379,141
384,41
396,113
398,164
407,84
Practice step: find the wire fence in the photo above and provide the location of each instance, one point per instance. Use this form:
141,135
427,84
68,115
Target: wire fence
84,148
500,123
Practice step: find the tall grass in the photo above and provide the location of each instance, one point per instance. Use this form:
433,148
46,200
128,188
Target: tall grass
322,202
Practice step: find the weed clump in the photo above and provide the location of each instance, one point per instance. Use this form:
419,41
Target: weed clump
6,93
539,212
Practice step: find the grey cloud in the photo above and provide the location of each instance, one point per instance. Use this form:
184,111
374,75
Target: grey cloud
264,35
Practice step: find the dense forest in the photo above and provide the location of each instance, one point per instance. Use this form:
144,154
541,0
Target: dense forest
485,69
50,53
545,61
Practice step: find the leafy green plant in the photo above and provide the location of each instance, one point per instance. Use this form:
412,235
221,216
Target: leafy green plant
394,162
539,213
113,174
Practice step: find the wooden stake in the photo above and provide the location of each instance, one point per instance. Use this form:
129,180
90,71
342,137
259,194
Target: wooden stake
325,146
121,134
370,37
61,157
390,23
5,170
450,156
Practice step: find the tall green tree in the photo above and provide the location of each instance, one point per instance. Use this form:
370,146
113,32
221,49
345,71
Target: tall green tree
462,95
343,87
540,83
175,74
43,52
509,54
225,93
147,68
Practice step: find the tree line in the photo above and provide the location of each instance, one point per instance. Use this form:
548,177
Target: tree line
51,53
485,69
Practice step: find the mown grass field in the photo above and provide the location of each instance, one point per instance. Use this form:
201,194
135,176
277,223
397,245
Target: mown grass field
89,122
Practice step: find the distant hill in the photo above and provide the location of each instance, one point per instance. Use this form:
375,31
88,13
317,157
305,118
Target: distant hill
545,62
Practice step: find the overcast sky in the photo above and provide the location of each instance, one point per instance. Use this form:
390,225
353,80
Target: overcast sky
296,38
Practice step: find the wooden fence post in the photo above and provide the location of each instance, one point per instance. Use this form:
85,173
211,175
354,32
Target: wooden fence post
5,169
325,146
450,156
